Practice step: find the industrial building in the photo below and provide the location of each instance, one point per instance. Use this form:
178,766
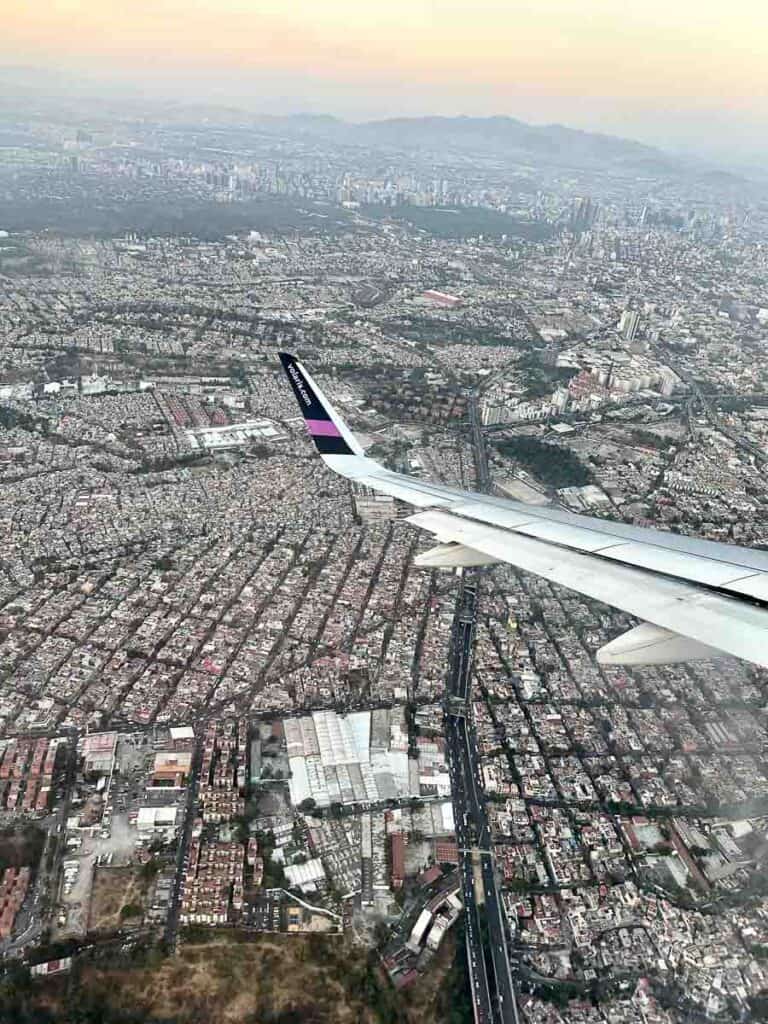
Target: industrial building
235,435
306,876
347,759
154,821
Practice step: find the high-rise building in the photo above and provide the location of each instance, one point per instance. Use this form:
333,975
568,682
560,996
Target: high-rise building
583,215
629,323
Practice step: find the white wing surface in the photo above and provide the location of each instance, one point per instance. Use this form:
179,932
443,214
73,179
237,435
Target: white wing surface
696,598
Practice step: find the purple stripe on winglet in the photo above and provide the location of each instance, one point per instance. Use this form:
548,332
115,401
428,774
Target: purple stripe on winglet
322,428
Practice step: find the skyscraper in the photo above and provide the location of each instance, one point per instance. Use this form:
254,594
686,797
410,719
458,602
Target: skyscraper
629,323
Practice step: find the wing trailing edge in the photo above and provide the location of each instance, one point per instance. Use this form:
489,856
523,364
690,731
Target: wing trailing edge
695,598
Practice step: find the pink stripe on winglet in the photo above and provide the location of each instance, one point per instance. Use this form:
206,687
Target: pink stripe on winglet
322,428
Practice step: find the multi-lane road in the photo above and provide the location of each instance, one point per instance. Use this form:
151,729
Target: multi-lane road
491,981
171,932
464,784
482,470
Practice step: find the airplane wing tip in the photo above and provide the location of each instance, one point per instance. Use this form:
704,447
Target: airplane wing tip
330,434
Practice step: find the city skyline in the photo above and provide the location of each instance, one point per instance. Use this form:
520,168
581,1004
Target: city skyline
682,77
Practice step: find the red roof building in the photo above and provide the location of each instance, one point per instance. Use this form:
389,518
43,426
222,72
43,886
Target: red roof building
397,859
446,851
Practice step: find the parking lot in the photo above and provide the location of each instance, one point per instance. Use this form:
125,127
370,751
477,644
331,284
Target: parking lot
113,841
264,913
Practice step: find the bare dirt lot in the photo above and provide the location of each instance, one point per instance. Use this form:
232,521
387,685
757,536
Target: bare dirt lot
114,891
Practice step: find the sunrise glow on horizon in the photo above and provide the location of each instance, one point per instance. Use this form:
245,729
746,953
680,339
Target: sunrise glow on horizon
491,56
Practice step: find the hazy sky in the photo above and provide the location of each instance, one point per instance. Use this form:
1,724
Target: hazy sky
676,72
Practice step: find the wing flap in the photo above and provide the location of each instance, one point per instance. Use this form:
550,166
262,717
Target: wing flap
651,645
752,586
452,556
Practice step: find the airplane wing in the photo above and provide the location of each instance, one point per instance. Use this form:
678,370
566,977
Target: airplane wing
697,598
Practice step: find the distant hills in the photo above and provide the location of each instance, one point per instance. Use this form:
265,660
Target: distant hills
495,136
36,91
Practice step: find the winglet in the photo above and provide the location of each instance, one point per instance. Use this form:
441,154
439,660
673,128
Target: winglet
326,428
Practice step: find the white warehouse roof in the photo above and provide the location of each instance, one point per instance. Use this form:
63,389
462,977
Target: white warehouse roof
182,732
305,875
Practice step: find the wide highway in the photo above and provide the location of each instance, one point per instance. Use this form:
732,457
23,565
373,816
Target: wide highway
487,950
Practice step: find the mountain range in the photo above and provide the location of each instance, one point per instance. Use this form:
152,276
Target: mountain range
66,97
495,136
